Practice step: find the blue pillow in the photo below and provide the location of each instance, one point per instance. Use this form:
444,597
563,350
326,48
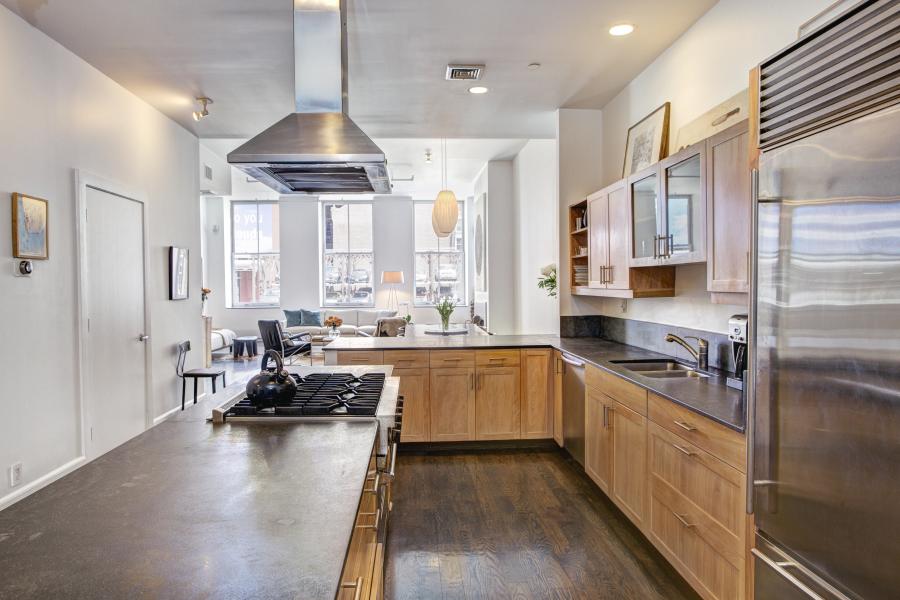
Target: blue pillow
293,318
310,318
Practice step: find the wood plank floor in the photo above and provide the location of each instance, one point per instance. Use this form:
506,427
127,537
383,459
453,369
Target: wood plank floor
516,524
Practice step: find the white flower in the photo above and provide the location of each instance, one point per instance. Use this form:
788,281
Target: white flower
548,270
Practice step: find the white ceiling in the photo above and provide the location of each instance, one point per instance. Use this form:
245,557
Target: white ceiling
240,54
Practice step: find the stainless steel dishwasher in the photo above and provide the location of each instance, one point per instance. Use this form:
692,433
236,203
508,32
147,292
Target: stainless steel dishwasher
573,406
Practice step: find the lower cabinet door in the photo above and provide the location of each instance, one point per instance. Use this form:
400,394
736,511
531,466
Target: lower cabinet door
452,404
629,436
414,387
498,414
557,398
598,446
537,393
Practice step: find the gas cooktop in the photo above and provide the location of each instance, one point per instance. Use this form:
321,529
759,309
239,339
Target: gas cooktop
325,395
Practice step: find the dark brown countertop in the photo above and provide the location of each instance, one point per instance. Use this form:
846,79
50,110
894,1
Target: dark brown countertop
709,397
192,510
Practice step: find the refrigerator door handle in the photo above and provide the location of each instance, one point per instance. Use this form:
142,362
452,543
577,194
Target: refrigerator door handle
781,567
750,384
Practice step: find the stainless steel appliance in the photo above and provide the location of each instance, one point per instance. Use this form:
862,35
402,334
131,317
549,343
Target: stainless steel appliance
825,314
737,333
573,406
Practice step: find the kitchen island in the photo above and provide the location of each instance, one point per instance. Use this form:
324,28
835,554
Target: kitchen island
189,509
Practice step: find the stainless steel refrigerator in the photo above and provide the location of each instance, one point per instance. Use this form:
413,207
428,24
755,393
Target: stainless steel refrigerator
825,398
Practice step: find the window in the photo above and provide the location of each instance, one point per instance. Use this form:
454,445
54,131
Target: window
348,258
255,259
440,262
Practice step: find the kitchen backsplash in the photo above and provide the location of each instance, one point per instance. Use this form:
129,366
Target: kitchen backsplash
651,336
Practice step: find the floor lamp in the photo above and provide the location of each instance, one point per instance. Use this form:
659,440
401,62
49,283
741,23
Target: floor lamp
393,279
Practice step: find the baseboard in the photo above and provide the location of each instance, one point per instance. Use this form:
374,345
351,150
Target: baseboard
172,411
475,446
41,482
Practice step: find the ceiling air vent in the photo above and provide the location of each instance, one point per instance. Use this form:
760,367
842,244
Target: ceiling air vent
464,72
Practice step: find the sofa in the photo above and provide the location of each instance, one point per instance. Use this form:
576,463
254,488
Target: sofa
357,321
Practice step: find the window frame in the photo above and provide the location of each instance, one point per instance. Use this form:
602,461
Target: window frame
465,255
323,301
232,301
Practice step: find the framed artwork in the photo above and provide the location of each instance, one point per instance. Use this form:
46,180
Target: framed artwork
647,141
178,273
29,227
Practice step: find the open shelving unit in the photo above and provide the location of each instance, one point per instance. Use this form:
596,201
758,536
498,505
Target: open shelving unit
578,244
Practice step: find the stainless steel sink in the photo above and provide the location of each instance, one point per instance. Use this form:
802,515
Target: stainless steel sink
661,369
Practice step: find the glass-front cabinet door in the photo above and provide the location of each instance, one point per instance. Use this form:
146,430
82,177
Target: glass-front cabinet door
683,227
645,211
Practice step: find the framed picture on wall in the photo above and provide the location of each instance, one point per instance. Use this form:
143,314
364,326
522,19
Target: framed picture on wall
178,273
29,227
647,141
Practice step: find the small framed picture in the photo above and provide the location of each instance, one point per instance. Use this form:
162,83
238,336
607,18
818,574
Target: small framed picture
29,227
178,273
647,141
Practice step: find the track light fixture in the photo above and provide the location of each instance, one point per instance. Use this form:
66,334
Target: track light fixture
203,112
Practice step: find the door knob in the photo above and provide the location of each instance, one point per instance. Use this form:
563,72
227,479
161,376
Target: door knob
143,337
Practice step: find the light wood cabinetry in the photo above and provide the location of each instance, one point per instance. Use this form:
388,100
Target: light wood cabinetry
363,573
629,441
578,244
414,387
451,358
609,245
452,404
360,357
497,358
728,210
407,359
557,398
498,413
537,393
598,447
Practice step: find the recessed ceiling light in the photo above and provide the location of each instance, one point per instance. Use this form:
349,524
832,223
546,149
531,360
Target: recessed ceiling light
621,29
534,66
478,89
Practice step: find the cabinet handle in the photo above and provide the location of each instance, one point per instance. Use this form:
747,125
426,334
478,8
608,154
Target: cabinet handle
781,568
472,381
655,246
605,416
683,450
452,358
670,241
685,426
609,274
684,520
374,525
354,584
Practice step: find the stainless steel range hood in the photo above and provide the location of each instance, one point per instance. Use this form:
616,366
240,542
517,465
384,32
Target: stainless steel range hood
318,149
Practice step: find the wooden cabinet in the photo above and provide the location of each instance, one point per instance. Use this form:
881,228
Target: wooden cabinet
357,358
537,393
598,447
497,403
558,398
452,405
609,249
629,441
728,210
363,572
414,387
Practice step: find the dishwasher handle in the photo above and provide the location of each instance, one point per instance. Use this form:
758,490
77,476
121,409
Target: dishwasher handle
571,361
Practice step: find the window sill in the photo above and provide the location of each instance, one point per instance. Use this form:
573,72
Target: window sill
253,306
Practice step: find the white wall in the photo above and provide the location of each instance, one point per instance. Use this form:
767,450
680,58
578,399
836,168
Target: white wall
709,63
60,114
537,235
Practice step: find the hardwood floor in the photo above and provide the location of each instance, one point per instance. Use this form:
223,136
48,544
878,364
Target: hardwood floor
515,524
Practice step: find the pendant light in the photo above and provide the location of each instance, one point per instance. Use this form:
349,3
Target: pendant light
445,213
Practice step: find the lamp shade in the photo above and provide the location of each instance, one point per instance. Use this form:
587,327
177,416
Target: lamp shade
445,213
392,277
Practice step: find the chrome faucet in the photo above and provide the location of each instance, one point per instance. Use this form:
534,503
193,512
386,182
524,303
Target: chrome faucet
701,354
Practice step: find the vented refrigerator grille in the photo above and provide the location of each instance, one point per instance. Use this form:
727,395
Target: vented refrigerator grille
845,69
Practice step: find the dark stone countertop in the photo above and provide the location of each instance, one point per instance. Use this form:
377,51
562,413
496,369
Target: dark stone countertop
709,397
192,510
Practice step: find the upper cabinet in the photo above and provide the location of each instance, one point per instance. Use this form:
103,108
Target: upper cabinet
728,212
668,204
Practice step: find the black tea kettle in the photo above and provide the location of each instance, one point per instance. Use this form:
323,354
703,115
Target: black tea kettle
271,388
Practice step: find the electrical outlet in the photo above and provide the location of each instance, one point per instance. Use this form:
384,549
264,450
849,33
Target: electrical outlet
15,474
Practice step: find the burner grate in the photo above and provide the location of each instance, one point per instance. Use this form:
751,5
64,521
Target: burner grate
324,394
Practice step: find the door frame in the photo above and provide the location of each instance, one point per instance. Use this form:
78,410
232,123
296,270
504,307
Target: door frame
83,181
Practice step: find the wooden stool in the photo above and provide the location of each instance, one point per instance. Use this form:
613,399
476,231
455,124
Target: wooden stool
246,342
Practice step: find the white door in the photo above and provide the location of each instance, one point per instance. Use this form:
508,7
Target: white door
115,358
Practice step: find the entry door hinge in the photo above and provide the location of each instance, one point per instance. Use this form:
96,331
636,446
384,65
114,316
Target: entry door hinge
89,324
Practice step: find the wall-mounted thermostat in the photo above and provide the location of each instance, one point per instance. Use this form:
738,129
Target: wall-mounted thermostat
24,268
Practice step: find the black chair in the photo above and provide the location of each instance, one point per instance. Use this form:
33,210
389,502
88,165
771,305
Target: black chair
195,374
288,346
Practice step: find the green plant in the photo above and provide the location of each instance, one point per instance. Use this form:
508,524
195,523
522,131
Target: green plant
445,307
547,281
408,319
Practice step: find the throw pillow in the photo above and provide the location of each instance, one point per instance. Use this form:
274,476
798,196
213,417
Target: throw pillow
293,318
311,318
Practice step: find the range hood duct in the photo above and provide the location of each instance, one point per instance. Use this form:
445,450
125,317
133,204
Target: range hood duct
318,149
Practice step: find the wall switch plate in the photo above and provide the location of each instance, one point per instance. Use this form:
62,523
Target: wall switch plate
15,474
